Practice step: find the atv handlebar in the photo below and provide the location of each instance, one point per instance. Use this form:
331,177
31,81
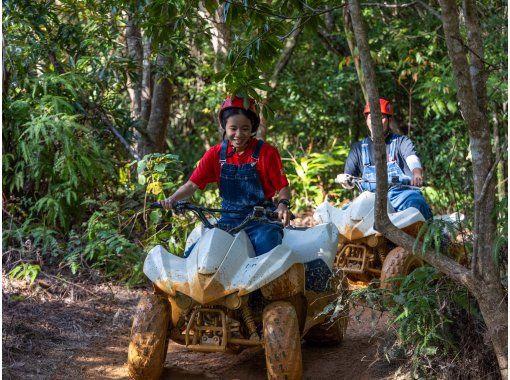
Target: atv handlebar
394,182
259,213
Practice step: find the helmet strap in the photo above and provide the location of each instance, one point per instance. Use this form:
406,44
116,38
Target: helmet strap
232,152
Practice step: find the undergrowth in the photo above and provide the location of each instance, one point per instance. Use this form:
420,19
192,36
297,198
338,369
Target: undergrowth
437,327
119,229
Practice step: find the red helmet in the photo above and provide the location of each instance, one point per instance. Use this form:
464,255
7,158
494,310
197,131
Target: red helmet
386,107
237,102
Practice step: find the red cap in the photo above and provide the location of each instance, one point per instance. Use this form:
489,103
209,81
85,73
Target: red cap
386,107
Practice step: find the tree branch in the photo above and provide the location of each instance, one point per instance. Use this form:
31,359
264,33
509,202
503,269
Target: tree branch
287,51
106,121
313,13
429,8
488,179
329,43
386,5
352,47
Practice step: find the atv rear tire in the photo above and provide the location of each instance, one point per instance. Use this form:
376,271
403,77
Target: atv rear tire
398,263
282,341
149,338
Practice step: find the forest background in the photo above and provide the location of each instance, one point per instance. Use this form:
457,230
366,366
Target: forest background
108,106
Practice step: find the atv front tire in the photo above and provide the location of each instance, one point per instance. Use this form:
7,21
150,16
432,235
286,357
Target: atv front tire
398,263
149,338
282,341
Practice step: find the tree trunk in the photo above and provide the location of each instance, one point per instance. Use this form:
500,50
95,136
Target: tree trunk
368,72
352,47
139,84
146,87
483,281
471,93
6,74
155,138
135,54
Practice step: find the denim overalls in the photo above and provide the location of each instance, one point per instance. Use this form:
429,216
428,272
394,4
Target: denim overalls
240,190
400,197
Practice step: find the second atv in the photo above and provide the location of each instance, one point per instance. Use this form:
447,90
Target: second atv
365,254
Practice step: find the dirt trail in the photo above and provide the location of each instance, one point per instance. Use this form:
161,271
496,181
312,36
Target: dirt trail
54,330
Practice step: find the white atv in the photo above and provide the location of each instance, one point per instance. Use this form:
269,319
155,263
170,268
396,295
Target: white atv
365,254
208,301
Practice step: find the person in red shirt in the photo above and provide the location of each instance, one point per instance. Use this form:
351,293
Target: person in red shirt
249,172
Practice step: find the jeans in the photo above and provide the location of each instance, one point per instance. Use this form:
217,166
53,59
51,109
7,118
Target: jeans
402,198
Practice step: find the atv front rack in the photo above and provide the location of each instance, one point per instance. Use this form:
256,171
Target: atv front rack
353,258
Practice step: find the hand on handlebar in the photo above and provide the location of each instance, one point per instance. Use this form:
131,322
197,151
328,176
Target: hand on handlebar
417,179
345,180
168,203
284,214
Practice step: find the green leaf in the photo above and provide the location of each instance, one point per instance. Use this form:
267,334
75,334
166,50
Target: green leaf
155,216
160,167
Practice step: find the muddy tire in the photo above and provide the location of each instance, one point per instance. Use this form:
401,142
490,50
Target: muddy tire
398,263
282,341
149,338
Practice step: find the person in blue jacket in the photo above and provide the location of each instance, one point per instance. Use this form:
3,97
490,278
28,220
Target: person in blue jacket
403,163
